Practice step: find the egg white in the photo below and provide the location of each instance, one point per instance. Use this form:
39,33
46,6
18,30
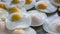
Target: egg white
50,8
51,33
41,16
3,13
52,17
29,6
23,23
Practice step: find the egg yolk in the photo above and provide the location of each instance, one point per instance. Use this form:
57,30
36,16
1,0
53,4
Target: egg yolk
16,17
42,6
28,2
20,31
57,1
59,9
35,19
14,9
2,6
15,1
17,29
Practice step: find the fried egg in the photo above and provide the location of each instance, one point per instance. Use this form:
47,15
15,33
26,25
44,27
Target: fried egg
37,18
13,9
24,31
45,6
55,2
53,27
3,14
2,5
29,4
18,3
18,20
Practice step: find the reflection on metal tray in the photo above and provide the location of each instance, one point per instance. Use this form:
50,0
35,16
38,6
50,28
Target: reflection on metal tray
39,30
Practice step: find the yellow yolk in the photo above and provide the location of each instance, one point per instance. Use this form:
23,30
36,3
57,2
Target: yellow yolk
20,31
14,9
15,1
42,6
57,1
16,17
28,2
17,29
2,6
59,9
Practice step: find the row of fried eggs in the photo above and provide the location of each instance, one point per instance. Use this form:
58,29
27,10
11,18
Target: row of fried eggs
14,14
